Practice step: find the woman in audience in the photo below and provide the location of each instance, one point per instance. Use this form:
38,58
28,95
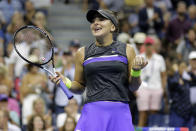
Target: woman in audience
69,124
36,123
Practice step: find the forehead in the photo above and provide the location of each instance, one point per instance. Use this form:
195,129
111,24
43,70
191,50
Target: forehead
99,16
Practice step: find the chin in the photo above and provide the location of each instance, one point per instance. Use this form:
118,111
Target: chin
98,34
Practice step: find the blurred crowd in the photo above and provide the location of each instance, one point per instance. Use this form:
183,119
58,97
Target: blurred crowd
163,31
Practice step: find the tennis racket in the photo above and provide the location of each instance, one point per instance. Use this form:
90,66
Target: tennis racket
34,37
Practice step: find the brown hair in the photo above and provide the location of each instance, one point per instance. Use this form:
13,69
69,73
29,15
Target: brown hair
30,125
63,127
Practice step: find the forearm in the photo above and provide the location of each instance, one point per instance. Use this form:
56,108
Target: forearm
134,83
76,87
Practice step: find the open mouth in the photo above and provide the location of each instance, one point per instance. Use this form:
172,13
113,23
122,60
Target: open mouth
97,29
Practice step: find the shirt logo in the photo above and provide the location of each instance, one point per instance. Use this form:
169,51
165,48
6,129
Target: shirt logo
113,51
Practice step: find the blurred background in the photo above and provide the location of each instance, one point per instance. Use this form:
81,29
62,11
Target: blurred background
163,31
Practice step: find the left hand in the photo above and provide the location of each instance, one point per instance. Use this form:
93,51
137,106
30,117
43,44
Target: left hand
139,63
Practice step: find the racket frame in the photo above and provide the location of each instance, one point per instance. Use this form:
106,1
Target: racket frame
65,89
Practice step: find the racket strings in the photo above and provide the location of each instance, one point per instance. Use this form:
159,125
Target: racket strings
33,45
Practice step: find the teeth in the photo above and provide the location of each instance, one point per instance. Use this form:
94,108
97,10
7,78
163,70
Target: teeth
97,29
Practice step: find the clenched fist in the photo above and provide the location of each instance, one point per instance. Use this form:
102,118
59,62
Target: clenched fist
139,63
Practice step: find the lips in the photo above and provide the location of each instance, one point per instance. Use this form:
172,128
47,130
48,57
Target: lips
97,29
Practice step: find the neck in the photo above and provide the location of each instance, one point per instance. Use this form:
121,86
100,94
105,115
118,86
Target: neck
106,41
149,55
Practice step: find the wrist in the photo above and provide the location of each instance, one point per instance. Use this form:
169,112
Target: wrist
135,73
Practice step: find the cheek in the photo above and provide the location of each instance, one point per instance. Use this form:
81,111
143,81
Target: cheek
91,26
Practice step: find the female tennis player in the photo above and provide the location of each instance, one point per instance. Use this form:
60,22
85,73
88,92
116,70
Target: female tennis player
108,70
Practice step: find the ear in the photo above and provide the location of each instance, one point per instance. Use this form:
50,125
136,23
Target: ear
113,28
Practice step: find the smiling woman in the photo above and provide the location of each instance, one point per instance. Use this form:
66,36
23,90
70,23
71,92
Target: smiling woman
107,70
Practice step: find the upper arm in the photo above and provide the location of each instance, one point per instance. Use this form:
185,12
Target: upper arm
79,59
130,56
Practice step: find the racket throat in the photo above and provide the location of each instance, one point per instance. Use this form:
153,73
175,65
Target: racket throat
49,72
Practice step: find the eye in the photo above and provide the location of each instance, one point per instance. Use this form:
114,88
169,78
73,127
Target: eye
93,20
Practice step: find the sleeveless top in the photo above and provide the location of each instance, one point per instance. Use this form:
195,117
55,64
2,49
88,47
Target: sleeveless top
106,73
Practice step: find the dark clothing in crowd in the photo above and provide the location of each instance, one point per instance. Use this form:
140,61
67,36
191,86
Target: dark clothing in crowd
180,96
145,26
177,29
180,112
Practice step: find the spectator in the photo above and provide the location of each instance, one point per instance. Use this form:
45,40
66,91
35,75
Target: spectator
16,64
5,79
178,27
39,108
113,5
70,110
151,19
13,104
134,21
166,19
132,3
124,37
166,3
36,123
16,23
8,7
69,124
2,19
150,93
33,84
192,14
5,124
2,37
187,45
42,5
40,20
138,41
180,112
124,26
2,58
74,45
191,78
90,4
29,12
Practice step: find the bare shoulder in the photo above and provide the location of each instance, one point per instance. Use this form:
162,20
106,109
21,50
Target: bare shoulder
79,56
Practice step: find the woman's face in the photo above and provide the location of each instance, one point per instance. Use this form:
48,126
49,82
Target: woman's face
38,123
69,125
39,107
101,26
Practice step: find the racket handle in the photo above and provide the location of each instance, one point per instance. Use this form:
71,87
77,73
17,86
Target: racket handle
65,90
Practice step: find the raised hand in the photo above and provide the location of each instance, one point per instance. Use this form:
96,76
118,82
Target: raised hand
139,63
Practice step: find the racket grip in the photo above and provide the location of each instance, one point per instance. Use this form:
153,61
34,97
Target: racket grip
65,90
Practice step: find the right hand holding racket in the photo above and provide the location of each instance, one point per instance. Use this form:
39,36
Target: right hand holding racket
63,82
56,79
